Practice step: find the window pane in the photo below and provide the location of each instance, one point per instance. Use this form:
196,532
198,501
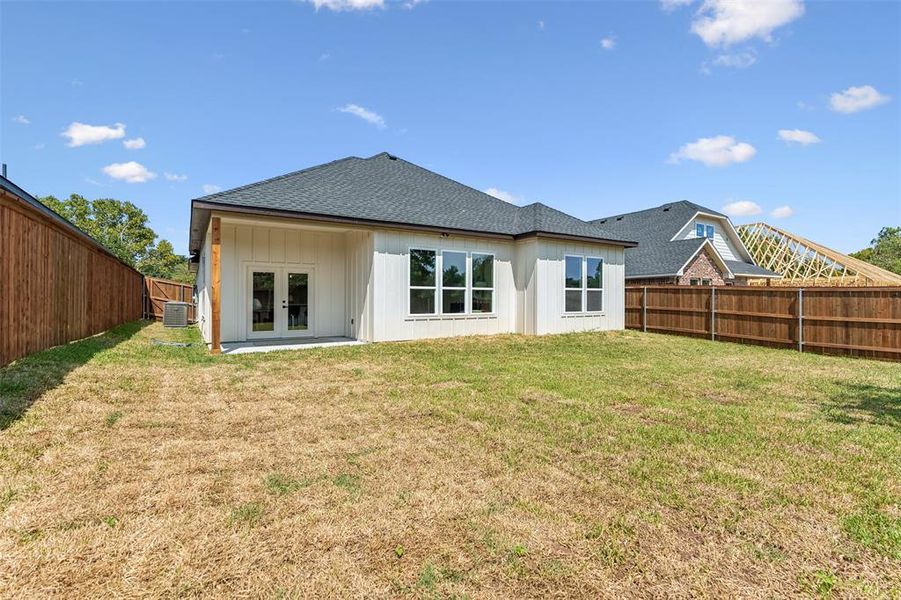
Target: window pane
574,272
595,300
595,273
693,282
454,269
422,302
422,267
710,231
263,303
699,230
453,301
573,301
482,301
298,301
483,271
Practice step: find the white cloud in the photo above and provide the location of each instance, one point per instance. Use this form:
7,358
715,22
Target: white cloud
854,99
131,172
175,177
209,188
726,22
798,136
717,151
22,120
608,43
541,25
340,5
739,60
669,5
80,134
40,146
411,4
782,212
504,195
135,144
365,114
742,208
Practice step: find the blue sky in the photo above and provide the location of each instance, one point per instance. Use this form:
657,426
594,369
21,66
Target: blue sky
594,108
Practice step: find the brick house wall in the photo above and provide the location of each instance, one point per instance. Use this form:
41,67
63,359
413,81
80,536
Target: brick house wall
702,267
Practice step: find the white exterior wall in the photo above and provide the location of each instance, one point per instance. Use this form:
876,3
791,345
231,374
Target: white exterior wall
721,240
390,288
549,280
360,281
204,276
321,252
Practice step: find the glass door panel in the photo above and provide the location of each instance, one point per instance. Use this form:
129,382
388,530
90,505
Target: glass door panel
263,301
298,301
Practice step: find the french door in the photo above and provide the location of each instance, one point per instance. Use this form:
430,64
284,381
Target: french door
279,302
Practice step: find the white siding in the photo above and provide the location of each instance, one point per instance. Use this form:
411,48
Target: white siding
204,275
391,320
721,240
550,317
359,284
322,252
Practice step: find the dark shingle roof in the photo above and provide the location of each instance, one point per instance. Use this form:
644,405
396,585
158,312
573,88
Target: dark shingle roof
653,229
387,189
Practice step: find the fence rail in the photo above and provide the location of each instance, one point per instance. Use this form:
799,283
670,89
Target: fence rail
159,291
854,321
56,283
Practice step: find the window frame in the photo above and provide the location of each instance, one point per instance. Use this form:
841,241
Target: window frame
439,284
710,232
472,286
410,287
584,258
700,230
466,280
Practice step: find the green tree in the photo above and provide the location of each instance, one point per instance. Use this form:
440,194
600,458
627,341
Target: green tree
884,251
123,229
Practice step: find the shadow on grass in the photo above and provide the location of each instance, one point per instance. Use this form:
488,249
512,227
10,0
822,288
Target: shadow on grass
23,382
855,402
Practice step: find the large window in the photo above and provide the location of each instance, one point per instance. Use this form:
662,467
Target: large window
453,282
422,282
482,283
583,284
465,284
702,230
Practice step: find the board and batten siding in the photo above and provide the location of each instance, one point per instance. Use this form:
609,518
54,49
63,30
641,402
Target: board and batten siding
549,288
322,252
390,280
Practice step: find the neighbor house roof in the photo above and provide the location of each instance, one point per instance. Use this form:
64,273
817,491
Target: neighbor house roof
387,190
657,254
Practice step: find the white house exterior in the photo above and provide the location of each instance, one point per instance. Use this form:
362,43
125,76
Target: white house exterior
284,271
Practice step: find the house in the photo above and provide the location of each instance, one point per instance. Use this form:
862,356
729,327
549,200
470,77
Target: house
378,249
683,243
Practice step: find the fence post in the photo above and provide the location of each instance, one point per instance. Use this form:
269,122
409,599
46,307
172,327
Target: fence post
644,309
712,313
800,319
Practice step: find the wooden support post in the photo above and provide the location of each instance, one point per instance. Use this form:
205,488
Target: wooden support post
800,319
644,309
713,313
216,293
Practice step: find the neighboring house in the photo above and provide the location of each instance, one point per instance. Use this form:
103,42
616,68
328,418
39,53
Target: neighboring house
380,249
683,243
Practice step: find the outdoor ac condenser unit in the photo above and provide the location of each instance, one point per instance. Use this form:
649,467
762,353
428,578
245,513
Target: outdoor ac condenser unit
175,314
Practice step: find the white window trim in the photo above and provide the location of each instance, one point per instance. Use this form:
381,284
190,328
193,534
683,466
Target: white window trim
439,285
467,264
433,288
584,258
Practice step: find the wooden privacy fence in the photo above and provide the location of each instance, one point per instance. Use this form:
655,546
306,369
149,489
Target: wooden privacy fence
56,283
855,321
159,291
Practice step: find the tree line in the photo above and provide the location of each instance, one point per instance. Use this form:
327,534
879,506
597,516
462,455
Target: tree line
123,229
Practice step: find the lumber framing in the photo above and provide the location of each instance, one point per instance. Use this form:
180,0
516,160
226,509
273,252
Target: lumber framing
803,262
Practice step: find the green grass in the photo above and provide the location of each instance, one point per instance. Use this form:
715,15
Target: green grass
581,465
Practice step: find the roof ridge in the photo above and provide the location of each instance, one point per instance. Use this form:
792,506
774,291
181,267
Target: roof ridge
454,181
278,177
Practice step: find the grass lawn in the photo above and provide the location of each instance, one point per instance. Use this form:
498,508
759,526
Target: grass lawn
595,465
